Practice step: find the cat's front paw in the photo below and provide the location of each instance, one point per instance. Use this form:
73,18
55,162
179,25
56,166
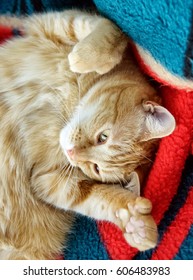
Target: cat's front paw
84,58
139,228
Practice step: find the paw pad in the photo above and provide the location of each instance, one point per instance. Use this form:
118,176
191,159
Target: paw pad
139,228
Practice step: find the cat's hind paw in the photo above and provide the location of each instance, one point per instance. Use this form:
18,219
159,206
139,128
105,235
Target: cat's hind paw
140,230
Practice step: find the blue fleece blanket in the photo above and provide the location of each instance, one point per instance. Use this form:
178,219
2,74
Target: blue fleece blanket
163,28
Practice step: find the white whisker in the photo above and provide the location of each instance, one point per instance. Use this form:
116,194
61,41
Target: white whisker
61,176
69,175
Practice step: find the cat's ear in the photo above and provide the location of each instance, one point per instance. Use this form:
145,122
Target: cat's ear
134,184
159,122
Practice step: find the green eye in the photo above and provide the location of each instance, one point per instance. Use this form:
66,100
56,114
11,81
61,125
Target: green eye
102,138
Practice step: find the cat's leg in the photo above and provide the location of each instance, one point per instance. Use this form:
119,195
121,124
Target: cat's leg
98,44
100,51
100,201
130,213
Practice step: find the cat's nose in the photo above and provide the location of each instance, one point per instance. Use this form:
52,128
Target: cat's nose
70,153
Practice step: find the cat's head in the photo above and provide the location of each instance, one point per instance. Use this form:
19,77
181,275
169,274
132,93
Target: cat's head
114,130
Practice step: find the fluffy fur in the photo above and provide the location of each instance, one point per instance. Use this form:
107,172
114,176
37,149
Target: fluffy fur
65,82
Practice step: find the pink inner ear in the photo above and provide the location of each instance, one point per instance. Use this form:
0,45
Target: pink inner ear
159,121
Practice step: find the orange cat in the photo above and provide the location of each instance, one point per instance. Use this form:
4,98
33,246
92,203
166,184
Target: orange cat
77,118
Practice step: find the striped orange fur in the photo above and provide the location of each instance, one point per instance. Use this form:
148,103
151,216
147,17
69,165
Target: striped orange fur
66,81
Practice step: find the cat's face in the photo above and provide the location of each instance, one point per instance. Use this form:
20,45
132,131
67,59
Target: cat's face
111,132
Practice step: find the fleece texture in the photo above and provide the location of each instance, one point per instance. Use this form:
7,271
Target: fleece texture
161,27
162,43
